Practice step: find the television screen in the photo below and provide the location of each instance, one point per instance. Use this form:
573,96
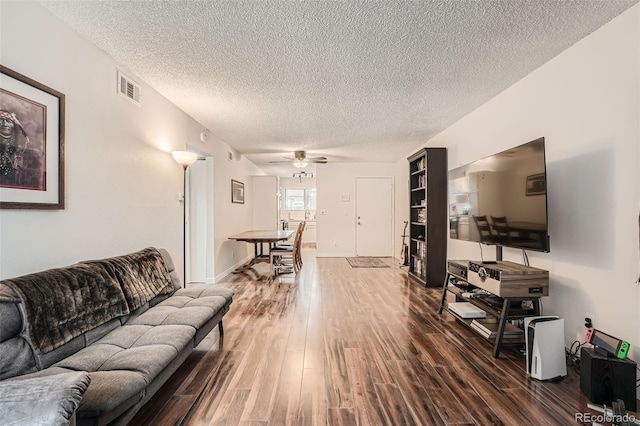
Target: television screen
502,199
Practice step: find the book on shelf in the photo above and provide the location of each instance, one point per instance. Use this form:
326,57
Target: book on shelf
489,328
418,267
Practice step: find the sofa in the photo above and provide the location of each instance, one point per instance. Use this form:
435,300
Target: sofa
101,336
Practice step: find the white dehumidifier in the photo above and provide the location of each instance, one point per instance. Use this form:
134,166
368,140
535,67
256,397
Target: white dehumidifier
544,340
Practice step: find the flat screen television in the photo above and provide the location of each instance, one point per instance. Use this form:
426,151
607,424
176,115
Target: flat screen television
502,199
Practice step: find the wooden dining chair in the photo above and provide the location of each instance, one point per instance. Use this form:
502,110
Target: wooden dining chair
508,235
301,227
299,230
485,230
501,226
287,258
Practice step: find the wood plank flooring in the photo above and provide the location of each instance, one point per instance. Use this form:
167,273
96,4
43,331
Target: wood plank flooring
351,346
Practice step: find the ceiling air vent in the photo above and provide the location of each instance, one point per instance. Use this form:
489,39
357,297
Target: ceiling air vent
128,88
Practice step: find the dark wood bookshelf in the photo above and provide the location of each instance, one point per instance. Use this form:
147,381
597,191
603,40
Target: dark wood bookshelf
428,207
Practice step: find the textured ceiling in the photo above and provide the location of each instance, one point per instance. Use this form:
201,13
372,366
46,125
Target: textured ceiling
350,80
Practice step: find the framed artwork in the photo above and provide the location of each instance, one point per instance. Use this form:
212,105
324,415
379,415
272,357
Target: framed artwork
31,143
237,192
536,184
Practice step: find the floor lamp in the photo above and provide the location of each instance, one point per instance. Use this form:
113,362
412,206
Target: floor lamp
184,158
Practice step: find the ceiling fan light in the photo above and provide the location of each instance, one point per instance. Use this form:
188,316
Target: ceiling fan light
300,163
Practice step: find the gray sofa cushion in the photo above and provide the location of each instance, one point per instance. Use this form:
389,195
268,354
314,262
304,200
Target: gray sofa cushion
203,290
16,358
50,400
192,306
125,361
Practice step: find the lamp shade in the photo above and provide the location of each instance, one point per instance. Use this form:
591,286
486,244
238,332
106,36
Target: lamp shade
185,158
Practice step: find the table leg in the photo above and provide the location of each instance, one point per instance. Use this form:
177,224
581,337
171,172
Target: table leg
250,263
444,291
503,320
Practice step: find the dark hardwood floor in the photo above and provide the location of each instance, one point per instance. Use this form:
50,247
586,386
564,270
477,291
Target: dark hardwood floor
351,346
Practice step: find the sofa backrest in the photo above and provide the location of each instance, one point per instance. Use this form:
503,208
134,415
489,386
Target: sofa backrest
47,316
171,267
142,276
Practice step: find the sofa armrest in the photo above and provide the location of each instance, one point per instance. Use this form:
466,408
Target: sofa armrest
44,400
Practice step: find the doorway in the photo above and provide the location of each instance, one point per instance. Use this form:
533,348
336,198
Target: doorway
374,216
200,259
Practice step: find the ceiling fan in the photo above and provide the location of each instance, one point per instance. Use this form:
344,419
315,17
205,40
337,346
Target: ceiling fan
301,159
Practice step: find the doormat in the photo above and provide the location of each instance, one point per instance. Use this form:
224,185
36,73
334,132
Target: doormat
366,262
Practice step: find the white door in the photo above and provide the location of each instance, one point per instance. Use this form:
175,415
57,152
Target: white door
374,216
200,222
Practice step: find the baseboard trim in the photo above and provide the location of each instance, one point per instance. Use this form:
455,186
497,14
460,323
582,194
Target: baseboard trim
233,268
335,255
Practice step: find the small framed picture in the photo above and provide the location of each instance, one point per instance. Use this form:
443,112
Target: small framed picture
536,184
237,192
31,143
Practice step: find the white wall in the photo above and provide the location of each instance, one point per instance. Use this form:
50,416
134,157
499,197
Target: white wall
265,202
231,218
122,184
585,102
336,231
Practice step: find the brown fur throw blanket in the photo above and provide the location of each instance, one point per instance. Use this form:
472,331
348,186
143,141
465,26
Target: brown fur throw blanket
142,275
63,303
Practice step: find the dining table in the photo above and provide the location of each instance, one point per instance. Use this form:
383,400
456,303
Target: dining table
258,238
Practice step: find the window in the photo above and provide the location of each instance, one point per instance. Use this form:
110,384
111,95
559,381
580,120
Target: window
300,199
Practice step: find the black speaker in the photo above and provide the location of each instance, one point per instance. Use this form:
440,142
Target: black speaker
604,379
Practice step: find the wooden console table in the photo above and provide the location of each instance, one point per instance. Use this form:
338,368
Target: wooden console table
508,283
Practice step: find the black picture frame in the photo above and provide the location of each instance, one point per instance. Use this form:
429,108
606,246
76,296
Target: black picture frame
237,192
32,133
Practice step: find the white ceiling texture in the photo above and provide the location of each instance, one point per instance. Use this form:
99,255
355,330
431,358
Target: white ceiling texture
349,80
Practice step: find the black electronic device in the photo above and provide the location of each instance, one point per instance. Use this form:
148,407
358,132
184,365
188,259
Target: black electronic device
458,268
604,379
503,198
